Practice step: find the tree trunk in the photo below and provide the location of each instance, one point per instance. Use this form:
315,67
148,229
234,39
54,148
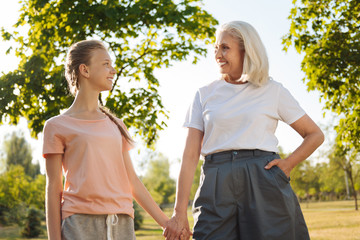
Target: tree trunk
349,171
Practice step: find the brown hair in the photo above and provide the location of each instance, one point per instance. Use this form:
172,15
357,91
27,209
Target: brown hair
80,53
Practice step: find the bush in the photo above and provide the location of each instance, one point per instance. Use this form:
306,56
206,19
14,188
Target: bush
139,219
14,215
32,226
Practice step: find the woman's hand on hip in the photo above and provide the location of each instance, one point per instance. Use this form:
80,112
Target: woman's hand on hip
283,164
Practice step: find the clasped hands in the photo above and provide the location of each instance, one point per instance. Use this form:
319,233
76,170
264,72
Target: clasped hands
177,228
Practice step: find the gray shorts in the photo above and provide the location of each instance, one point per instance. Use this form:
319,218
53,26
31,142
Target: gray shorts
239,199
98,227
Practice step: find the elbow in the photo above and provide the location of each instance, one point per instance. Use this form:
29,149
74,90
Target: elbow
316,138
320,137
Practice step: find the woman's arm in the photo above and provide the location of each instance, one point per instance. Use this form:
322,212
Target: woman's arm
53,195
191,155
142,195
313,138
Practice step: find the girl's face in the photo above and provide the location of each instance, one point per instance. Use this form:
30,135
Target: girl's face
101,71
229,56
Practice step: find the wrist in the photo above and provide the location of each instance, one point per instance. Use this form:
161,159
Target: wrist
291,163
164,222
180,212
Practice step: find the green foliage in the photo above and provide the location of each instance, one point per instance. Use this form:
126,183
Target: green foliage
143,35
305,180
331,179
32,226
327,33
19,191
18,152
158,181
138,217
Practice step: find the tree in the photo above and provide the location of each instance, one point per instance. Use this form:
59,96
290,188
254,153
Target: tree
18,192
18,152
304,180
331,180
143,35
327,33
158,181
14,192
32,226
347,160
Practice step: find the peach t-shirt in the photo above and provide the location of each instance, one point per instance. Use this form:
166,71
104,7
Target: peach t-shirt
96,181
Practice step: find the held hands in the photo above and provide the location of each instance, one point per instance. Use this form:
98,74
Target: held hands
283,164
177,228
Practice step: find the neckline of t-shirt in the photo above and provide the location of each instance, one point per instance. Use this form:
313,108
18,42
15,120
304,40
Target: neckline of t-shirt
85,120
243,85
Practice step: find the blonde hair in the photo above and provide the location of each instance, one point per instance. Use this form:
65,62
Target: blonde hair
256,64
80,53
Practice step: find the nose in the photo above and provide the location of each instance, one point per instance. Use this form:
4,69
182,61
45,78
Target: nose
217,54
113,71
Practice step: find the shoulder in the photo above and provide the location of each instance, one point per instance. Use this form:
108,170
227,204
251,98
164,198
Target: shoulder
273,84
273,87
120,121
54,125
54,120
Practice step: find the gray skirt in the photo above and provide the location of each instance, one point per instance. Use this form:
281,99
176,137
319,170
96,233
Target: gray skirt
238,199
98,227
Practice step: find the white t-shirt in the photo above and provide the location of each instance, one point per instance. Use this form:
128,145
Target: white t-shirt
241,116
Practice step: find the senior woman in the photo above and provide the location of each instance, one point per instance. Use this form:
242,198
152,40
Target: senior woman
244,190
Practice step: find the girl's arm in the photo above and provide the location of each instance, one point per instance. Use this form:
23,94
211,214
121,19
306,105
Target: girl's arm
142,195
53,195
190,160
313,138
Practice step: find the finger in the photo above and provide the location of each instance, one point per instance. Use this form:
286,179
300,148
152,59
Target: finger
271,164
165,232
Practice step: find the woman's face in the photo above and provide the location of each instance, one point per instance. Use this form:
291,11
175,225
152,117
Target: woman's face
229,56
101,70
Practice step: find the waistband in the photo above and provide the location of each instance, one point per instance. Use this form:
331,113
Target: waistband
238,154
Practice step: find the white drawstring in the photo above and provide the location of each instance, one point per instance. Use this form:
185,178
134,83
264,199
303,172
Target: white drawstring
111,220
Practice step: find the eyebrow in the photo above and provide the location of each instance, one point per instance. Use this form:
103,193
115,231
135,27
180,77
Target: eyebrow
221,44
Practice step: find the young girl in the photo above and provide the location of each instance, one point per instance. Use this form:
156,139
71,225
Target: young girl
90,146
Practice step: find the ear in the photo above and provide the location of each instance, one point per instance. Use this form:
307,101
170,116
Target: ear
84,70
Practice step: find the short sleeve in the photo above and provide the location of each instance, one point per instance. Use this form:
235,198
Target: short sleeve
194,114
289,109
126,145
52,141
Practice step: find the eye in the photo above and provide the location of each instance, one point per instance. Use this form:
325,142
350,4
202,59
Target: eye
225,47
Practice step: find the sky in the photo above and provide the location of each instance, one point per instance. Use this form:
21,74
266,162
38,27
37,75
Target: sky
179,83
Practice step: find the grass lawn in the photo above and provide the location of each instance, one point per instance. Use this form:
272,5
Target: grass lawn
332,220
326,221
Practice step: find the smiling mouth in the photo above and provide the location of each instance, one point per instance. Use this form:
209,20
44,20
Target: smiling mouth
221,64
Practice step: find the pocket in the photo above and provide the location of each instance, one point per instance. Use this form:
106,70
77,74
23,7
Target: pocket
281,174
280,178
